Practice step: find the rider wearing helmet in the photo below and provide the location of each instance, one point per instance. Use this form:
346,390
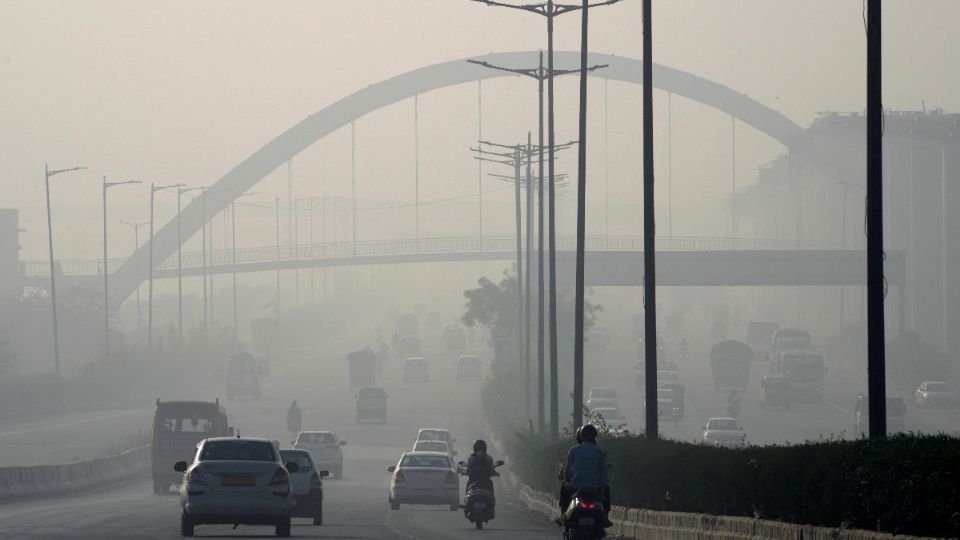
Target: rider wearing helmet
480,468
294,417
585,469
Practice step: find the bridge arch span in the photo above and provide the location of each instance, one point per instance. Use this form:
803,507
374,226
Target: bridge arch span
364,101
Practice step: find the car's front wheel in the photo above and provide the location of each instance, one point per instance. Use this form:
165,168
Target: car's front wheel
186,525
318,517
283,527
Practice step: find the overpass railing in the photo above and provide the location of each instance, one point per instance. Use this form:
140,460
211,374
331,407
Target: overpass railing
386,248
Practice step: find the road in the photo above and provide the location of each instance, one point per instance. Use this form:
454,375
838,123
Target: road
356,505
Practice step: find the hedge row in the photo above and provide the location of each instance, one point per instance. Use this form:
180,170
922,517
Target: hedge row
908,484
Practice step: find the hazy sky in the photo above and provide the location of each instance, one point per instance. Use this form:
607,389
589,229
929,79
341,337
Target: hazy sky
181,91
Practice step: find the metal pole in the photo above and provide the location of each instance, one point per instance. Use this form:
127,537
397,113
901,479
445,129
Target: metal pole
353,182
526,287
312,275
876,362
480,163
606,161
153,192
296,248
416,178
733,179
520,330
943,247
179,274
203,254
554,382
53,279
649,231
843,243
541,337
233,265
106,300
581,225
277,212
670,164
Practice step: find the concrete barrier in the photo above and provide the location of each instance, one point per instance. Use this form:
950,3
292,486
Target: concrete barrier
42,479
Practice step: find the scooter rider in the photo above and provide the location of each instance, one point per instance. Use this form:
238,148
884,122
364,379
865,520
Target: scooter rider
480,467
294,417
585,469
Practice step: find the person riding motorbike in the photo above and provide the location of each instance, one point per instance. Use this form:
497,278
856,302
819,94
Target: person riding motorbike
481,468
294,417
585,469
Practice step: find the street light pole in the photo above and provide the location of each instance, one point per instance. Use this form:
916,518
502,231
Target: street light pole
649,233
153,190
106,295
180,192
47,173
550,10
581,225
135,225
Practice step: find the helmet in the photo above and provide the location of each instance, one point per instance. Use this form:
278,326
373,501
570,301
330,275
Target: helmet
294,404
479,445
587,433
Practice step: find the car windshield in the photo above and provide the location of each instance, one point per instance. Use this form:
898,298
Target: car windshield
428,462
665,394
431,446
302,459
603,393
371,393
434,436
938,387
185,421
316,438
724,425
238,450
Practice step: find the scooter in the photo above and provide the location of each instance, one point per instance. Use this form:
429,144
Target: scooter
480,503
584,517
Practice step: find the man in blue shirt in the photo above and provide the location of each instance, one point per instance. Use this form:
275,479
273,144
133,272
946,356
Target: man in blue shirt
585,469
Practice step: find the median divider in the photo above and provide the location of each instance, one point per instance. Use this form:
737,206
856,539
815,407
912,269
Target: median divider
638,523
48,479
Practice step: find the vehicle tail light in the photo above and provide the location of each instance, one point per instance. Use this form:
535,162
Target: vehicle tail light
195,477
588,505
280,478
398,476
451,478
315,480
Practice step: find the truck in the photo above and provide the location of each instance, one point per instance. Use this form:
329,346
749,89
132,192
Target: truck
730,362
805,371
177,428
363,368
790,339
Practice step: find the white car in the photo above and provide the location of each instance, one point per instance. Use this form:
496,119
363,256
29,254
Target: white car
724,432
324,448
433,446
605,393
307,485
934,393
424,478
235,481
436,434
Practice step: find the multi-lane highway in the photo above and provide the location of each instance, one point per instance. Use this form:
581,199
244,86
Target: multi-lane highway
355,506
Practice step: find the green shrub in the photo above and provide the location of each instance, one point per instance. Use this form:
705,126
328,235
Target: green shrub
908,484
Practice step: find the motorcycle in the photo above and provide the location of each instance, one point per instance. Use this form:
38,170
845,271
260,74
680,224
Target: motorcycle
480,503
584,517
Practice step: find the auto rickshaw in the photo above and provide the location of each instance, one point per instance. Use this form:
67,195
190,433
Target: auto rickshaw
775,391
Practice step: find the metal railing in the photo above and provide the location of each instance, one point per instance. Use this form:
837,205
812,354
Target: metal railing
423,246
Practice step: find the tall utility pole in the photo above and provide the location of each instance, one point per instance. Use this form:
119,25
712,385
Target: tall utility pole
277,212
876,362
106,271
233,260
549,11
581,224
353,183
649,232
526,286
480,163
733,179
670,165
416,177
153,190
540,74
47,173
180,192
135,225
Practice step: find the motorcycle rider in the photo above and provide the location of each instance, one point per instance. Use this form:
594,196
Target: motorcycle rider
294,417
480,469
585,469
